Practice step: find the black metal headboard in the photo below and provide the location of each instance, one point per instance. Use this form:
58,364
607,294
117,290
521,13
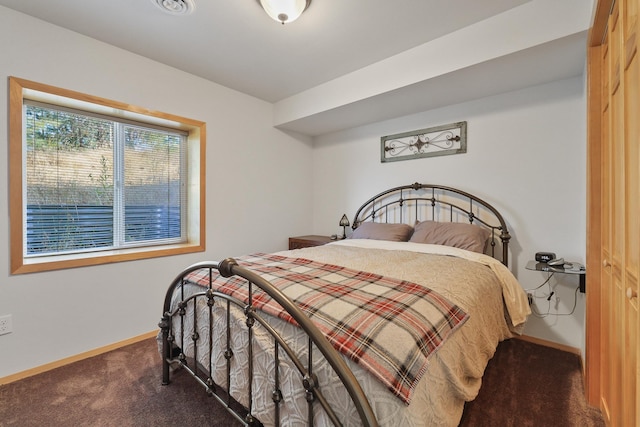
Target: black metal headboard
420,202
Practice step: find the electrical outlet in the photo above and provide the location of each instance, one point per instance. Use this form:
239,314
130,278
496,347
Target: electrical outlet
6,324
530,297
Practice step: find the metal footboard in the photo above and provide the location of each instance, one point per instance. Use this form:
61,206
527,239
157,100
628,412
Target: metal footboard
173,344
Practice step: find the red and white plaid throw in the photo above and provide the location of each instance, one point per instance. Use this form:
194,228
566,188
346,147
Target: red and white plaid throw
388,326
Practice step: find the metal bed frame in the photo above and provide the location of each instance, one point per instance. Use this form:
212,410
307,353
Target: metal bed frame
227,268
421,202
415,202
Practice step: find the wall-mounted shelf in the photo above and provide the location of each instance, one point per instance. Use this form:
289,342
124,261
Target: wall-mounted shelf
567,268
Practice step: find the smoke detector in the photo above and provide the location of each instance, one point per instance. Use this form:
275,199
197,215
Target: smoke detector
175,7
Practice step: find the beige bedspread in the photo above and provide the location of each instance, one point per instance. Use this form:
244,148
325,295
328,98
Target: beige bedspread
453,374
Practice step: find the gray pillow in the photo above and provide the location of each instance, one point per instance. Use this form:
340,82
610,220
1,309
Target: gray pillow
383,231
457,234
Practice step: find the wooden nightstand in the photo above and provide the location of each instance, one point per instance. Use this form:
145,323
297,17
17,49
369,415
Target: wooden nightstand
300,242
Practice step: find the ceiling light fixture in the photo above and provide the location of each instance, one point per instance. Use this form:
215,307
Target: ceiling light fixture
284,11
175,7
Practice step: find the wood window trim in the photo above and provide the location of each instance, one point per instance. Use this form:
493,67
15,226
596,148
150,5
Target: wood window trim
197,182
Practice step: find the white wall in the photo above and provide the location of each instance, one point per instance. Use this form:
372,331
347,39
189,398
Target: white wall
249,165
526,154
519,144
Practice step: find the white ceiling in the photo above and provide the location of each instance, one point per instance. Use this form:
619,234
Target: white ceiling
234,43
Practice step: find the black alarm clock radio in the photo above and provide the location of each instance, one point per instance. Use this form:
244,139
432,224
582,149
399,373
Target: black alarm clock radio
545,256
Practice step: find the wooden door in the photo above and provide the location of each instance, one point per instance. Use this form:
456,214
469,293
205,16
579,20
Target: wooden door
615,138
607,395
631,226
613,240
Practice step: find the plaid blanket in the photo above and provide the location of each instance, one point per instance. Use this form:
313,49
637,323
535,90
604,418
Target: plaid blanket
388,326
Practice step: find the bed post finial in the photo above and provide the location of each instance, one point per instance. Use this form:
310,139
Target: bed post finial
505,237
416,186
226,266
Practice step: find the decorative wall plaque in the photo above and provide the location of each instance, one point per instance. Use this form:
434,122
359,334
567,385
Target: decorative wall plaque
435,141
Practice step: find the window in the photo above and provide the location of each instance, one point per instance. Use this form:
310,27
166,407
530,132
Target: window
94,181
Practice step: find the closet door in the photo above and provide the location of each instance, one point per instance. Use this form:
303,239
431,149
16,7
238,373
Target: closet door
620,238
607,320
613,250
631,262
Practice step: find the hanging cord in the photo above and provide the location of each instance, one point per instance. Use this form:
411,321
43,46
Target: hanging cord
543,283
534,309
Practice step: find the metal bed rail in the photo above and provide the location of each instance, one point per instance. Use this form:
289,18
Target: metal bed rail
172,345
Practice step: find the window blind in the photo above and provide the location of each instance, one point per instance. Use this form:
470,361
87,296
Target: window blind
95,182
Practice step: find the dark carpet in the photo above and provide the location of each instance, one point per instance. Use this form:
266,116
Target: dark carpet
525,385
529,385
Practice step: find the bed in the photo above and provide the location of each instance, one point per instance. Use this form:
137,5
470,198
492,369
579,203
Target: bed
392,326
